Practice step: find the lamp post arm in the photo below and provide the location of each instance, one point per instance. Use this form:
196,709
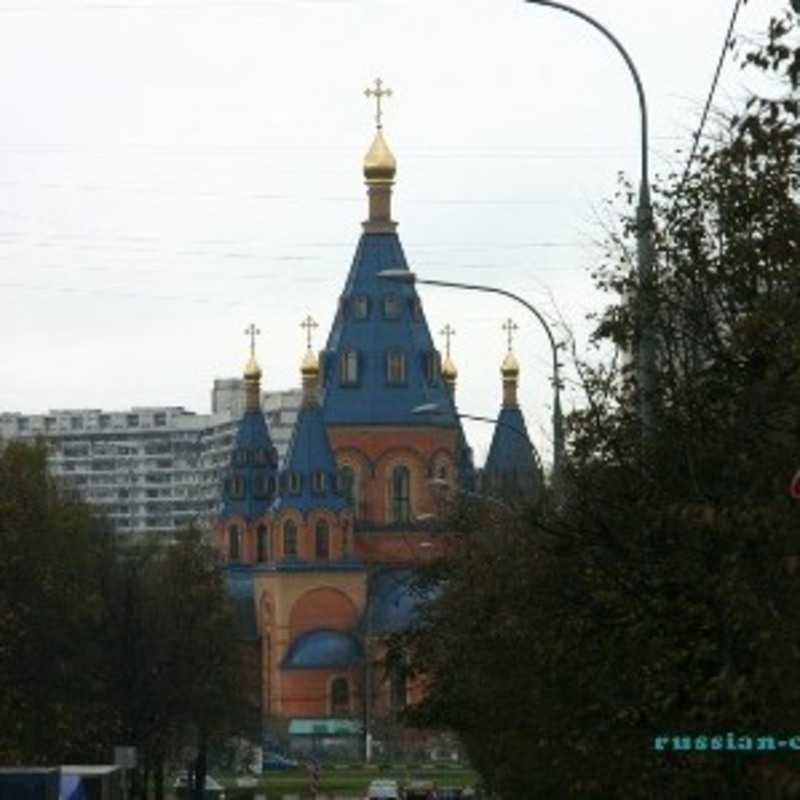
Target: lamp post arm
495,290
628,60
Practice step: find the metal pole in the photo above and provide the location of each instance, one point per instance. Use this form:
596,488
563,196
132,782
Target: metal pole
558,420
646,362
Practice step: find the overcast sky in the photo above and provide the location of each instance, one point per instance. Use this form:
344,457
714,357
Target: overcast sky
172,170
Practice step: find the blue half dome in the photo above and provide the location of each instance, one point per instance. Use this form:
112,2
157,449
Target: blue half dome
323,648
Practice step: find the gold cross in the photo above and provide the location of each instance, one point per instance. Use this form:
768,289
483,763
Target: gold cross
509,326
448,331
378,93
309,324
252,332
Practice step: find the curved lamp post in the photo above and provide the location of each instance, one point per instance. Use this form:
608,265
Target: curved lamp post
406,276
435,408
645,366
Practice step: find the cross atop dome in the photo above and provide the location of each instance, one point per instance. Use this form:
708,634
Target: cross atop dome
378,93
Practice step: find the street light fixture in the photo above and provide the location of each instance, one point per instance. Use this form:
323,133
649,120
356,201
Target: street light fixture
646,356
436,409
406,276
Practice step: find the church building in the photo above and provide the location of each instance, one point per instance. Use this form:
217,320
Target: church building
320,548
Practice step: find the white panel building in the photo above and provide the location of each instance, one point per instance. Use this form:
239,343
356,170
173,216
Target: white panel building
151,470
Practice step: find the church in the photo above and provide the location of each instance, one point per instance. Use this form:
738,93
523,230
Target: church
320,547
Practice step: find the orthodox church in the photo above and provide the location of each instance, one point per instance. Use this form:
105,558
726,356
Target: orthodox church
320,548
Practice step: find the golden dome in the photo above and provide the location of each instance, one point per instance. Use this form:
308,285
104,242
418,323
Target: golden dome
252,371
449,370
510,366
310,364
379,163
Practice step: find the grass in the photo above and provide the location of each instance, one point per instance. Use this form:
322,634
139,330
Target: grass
346,779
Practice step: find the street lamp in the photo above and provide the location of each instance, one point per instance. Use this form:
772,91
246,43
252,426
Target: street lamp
406,276
435,408
646,356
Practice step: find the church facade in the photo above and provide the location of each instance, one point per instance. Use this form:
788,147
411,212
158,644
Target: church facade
321,547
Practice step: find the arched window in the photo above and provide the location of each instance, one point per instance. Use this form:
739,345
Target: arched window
238,487
340,696
360,306
234,543
347,483
289,539
395,367
318,481
392,307
262,543
349,368
322,540
346,541
294,482
400,495
397,690
433,366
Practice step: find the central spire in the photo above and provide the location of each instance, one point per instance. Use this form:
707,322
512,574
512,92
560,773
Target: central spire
380,168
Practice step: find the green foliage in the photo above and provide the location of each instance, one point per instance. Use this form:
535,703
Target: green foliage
105,644
658,596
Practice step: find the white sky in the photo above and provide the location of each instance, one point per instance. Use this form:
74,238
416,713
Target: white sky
172,170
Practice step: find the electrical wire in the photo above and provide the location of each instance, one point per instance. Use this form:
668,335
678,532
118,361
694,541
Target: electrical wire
703,118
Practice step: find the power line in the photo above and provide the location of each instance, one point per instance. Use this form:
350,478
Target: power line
725,47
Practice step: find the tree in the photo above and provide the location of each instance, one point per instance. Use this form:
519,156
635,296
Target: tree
660,599
51,692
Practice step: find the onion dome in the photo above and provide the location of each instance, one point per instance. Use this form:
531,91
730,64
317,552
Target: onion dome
380,165
510,366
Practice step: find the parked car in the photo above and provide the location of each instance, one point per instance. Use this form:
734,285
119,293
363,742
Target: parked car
276,761
213,787
383,789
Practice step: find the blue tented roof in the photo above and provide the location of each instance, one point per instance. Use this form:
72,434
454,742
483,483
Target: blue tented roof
323,648
309,453
253,457
511,454
393,602
239,584
372,400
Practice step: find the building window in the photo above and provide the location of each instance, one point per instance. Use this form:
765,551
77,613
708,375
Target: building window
400,491
340,696
360,307
397,690
260,486
433,366
289,539
294,483
132,420
392,307
262,543
395,367
318,482
349,368
234,543
346,541
322,541
237,490
347,484
160,419
76,423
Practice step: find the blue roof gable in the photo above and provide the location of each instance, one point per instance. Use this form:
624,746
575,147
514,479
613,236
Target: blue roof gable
250,479
394,364
308,479
511,452
323,648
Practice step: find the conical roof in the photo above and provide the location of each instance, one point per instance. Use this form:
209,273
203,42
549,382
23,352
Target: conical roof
250,479
381,329
308,478
512,459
